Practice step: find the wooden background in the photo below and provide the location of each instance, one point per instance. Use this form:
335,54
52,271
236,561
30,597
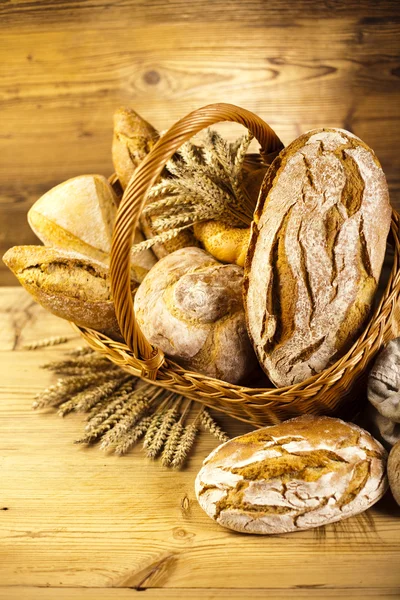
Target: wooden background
66,65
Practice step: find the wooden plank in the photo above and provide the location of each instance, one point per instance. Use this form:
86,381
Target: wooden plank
32,593
73,516
66,66
110,13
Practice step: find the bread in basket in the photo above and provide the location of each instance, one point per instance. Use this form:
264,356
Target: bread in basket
336,389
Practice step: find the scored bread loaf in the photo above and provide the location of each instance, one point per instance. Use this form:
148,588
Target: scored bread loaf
303,473
315,255
78,215
67,284
191,307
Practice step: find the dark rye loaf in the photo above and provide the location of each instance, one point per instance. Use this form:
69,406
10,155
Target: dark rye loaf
316,250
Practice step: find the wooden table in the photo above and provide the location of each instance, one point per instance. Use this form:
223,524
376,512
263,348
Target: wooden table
75,523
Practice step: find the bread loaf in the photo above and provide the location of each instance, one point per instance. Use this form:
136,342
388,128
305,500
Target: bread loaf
225,243
190,306
132,141
394,471
303,473
315,255
67,284
78,215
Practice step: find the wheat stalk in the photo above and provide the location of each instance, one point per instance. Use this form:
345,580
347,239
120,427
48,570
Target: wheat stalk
133,435
204,181
169,418
212,426
185,445
172,444
115,402
51,341
64,388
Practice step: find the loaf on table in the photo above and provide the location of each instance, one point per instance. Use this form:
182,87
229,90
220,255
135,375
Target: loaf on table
315,255
191,307
78,215
67,284
394,471
303,473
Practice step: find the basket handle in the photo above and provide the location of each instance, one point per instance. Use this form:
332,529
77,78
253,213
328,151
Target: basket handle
148,358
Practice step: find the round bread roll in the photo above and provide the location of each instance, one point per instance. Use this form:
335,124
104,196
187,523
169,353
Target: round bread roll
394,471
315,253
303,473
190,306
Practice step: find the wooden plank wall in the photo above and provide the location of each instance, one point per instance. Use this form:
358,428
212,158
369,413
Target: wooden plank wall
66,65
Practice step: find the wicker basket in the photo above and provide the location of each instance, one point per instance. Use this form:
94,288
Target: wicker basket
328,392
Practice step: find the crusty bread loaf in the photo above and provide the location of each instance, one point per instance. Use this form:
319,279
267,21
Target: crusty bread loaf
133,139
191,307
67,284
394,471
315,255
78,215
303,473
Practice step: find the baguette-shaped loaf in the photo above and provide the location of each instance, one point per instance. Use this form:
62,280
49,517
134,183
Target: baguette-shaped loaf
303,473
191,307
67,284
78,215
133,139
315,255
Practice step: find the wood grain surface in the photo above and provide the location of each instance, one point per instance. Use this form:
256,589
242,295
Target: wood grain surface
67,65
81,522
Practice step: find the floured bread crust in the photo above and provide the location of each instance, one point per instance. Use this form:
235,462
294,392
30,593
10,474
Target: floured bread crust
303,473
191,307
315,255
